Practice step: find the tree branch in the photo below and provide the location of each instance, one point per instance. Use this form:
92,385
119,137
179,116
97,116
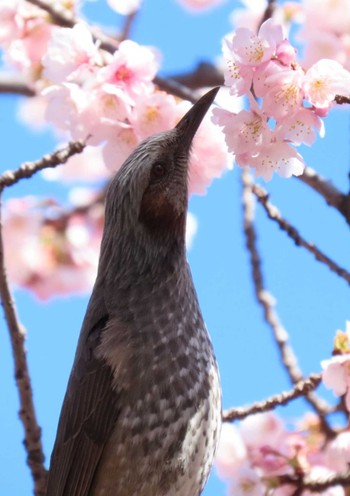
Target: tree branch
274,214
266,300
12,83
330,193
301,388
315,486
32,437
28,169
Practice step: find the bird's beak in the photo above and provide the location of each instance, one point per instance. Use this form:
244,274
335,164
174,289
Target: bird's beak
188,125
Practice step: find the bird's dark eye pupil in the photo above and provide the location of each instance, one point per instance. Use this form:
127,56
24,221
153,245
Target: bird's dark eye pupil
158,170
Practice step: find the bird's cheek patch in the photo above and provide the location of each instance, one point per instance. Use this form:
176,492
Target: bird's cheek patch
157,210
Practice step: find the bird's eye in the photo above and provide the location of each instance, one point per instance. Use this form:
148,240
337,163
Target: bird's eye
158,170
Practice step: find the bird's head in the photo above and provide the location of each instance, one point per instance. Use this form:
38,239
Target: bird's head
147,198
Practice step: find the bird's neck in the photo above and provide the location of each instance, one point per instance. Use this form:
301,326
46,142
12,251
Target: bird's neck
127,263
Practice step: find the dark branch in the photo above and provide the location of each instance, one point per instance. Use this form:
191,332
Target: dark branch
32,431
270,8
266,301
28,169
302,388
12,83
316,486
292,232
330,193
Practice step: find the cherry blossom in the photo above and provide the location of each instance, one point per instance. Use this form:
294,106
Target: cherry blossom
87,166
199,4
153,113
253,50
125,7
332,19
49,256
132,68
70,50
336,376
324,80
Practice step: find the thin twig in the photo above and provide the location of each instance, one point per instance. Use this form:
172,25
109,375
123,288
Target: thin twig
318,485
274,214
28,169
300,389
32,431
12,83
267,302
270,8
330,193
129,21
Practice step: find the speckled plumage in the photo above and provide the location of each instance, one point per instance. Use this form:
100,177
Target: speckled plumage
141,416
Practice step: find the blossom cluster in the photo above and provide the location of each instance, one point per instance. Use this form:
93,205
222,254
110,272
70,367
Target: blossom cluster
49,250
286,102
89,93
332,19
259,455
336,370
107,99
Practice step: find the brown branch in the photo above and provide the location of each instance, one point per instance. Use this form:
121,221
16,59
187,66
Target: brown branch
205,74
65,18
266,301
129,21
330,193
28,169
341,100
301,388
32,431
315,486
270,8
293,233
11,83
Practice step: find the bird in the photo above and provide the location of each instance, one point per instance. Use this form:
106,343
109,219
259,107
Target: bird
142,411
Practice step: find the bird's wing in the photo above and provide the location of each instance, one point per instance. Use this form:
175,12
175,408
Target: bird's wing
89,413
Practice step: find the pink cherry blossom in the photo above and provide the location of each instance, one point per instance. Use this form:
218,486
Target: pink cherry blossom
251,49
125,7
247,482
245,132
286,53
199,4
121,141
87,166
285,95
324,80
299,127
338,452
336,376
47,256
153,113
26,52
11,21
231,453
70,50
132,68
278,157
262,429
238,77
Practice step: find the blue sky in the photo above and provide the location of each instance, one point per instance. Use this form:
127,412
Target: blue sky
311,301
